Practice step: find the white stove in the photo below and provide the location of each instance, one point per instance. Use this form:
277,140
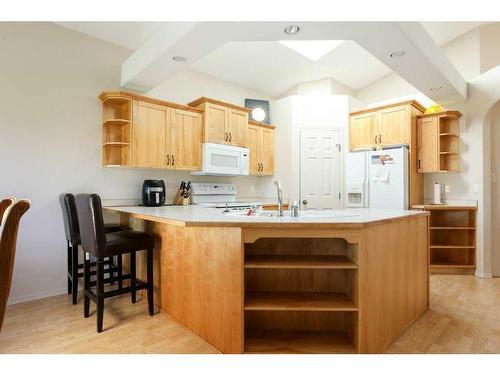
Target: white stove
218,196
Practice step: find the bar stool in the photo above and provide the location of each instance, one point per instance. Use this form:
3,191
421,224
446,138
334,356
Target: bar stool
101,245
72,231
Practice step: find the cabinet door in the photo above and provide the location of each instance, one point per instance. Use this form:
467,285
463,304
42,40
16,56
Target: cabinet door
254,149
427,144
394,126
185,136
362,131
215,123
266,140
149,147
237,127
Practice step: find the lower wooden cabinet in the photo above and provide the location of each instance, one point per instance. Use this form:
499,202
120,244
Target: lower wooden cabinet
261,149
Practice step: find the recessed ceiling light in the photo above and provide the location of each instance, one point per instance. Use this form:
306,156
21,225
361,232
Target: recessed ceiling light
397,54
436,88
312,49
179,58
292,29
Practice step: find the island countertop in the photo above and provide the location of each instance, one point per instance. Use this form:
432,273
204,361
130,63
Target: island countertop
196,216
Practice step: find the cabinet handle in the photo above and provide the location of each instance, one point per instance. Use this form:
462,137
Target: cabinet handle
168,159
419,167
225,139
230,137
173,160
380,138
375,138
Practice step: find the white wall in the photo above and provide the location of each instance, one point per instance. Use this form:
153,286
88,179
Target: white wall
495,188
299,112
50,137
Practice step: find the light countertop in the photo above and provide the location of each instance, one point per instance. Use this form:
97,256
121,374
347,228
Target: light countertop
194,215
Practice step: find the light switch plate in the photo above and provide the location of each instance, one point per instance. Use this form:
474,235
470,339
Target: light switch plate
447,188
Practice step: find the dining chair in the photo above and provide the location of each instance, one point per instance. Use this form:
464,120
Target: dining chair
4,207
8,241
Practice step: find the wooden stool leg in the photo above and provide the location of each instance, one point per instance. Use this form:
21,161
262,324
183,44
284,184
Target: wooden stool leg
120,272
111,273
100,294
74,272
151,305
69,267
132,276
86,282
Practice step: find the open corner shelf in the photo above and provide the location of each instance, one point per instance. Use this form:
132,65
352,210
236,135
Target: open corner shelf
290,342
452,239
298,301
116,130
300,262
301,296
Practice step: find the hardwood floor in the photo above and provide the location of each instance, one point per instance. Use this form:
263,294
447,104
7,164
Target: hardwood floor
464,318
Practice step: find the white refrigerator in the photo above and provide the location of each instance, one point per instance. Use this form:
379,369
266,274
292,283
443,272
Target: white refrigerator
381,177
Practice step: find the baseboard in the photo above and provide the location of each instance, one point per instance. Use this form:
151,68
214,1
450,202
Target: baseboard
484,275
32,297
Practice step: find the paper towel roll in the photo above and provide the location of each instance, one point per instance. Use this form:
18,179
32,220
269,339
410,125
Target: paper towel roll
437,193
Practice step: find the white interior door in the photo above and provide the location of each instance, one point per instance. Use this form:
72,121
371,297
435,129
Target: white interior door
320,169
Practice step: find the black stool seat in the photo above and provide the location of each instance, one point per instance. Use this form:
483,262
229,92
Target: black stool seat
127,241
98,243
72,232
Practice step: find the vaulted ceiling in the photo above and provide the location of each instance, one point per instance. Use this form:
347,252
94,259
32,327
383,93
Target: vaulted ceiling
249,53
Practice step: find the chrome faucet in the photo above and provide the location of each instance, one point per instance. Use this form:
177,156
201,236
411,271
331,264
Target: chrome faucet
280,198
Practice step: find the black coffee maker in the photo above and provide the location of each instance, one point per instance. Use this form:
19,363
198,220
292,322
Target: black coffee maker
153,193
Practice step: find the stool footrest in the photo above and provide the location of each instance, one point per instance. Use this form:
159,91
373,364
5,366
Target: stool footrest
116,292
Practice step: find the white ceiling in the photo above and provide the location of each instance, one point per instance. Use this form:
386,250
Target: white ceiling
126,34
267,66
272,68
444,32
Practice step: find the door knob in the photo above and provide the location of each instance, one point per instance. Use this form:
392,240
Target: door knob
304,202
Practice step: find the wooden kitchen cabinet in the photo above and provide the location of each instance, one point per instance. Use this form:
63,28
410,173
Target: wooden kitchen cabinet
151,135
185,140
223,123
363,131
144,132
385,126
261,149
427,141
393,125
389,126
438,140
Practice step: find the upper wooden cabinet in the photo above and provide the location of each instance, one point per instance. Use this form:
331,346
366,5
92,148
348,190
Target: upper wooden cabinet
223,123
363,131
261,149
439,142
144,132
383,126
394,126
390,125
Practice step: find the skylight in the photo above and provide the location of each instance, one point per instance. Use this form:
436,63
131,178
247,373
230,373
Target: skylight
312,49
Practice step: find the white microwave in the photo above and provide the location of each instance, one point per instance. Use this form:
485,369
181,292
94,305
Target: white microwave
224,160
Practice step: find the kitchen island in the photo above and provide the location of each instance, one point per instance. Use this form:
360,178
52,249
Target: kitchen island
348,281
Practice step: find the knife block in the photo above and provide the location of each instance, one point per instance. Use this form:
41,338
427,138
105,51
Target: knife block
180,200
